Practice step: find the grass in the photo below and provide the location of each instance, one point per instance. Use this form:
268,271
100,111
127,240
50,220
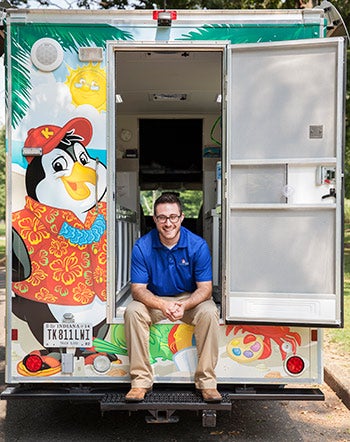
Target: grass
341,337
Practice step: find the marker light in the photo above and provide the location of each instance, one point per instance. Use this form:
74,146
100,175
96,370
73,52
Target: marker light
33,363
14,334
294,365
164,18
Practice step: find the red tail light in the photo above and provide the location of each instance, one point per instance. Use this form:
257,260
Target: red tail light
33,363
295,365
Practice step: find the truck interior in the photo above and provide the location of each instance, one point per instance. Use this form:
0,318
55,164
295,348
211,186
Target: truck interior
168,138
279,184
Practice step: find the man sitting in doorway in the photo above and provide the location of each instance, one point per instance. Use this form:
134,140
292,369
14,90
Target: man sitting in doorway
171,276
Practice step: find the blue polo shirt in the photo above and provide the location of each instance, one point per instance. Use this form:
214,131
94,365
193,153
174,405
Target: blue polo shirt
170,272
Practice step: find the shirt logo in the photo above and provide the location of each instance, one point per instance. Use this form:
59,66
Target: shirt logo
183,262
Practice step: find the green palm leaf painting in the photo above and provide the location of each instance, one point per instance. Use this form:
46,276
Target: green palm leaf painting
70,37
253,33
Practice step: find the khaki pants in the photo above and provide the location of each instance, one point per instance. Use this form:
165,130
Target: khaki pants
139,318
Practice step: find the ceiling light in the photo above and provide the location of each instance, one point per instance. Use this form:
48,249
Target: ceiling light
168,97
118,98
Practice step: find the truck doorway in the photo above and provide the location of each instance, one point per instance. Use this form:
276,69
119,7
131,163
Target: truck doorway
167,138
171,159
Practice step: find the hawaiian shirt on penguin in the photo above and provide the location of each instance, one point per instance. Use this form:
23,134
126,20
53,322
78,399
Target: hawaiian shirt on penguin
68,257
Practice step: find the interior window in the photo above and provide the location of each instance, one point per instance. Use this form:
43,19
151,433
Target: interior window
192,201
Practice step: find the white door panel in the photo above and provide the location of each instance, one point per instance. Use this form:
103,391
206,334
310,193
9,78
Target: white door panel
283,230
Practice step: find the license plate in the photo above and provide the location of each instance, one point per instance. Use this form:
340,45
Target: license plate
59,334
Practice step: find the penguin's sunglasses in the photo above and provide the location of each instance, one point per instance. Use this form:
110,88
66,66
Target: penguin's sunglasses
162,219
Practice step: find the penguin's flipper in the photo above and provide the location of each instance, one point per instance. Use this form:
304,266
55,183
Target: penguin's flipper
34,313
21,266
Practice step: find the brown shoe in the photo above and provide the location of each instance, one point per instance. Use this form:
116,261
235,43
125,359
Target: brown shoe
136,394
211,395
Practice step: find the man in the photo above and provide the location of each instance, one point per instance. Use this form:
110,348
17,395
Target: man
171,278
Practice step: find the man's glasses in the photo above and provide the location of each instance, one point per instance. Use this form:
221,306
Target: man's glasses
163,219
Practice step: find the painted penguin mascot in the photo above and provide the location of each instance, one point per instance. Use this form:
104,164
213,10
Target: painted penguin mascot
59,238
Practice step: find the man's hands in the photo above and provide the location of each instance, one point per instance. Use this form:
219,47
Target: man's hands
174,311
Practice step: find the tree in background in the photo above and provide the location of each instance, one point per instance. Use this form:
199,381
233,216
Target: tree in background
192,201
2,173
224,4
341,5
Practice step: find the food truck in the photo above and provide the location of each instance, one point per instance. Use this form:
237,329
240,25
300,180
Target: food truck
241,112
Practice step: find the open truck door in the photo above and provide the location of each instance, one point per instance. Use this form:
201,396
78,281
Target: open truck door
283,183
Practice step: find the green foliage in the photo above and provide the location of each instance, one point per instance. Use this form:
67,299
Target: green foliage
108,4
2,173
347,137
217,4
191,201
347,211
176,4
341,337
343,7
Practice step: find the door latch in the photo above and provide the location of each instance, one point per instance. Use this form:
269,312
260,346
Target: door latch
331,193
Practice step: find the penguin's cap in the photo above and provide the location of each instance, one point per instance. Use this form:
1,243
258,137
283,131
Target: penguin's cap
49,136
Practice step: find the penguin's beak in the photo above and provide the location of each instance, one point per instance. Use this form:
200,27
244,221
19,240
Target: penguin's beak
75,183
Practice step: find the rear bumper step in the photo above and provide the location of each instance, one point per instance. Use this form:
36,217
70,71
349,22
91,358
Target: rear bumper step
114,398
161,403
165,400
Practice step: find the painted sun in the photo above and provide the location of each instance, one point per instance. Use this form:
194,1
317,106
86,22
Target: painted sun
87,85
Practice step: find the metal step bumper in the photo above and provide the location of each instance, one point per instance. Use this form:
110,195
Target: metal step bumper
114,396
162,402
